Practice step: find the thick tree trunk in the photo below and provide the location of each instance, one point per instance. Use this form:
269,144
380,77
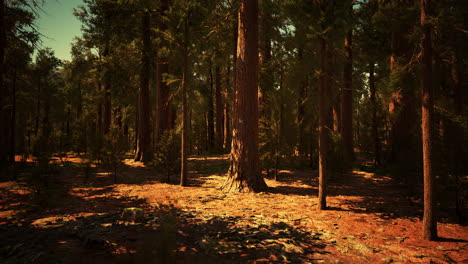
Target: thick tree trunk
244,173
429,220
373,100
347,97
323,107
219,110
183,167
143,140
163,119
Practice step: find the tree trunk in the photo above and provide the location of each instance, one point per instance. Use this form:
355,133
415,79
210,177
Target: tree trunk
373,100
226,119
301,104
244,173
183,156
211,129
143,140
3,124
38,106
323,129
429,221
219,110
163,121
107,111
347,97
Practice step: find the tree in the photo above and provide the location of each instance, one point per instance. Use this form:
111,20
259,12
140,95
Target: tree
347,96
142,152
244,173
184,145
163,117
429,221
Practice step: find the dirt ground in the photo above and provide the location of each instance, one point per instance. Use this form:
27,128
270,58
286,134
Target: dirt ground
67,220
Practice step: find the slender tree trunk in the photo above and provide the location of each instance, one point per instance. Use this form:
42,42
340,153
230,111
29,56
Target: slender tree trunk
219,110
107,105
373,100
163,119
38,106
211,128
347,97
429,220
183,167
143,140
323,129
99,113
301,103
13,120
244,173
226,119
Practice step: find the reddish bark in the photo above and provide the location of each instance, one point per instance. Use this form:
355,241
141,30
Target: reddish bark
244,173
429,220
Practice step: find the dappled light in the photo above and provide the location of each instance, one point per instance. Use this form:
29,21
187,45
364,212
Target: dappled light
233,131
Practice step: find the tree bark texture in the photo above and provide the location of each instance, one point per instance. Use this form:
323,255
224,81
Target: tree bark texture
244,174
429,221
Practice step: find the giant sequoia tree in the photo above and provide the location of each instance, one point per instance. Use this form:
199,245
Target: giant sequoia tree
244,173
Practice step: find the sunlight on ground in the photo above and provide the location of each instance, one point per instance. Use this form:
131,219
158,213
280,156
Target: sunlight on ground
133,163
372,176
220,157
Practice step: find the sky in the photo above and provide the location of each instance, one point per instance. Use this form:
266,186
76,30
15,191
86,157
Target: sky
59,26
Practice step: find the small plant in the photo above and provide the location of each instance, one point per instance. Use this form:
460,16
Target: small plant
167,155
113,152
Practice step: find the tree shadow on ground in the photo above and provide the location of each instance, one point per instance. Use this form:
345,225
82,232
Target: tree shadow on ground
166,235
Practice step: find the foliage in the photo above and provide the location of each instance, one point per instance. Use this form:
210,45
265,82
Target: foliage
113,152
167,154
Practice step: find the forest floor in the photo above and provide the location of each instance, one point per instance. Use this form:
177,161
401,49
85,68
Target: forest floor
371,219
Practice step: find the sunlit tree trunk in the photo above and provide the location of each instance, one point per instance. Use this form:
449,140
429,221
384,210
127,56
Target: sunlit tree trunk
244,173
429,220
